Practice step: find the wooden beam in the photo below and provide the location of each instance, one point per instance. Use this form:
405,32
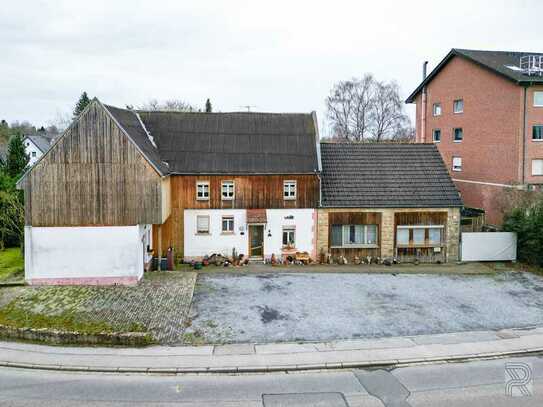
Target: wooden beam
159,268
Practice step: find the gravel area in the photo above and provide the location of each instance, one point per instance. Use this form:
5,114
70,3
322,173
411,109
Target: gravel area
271,307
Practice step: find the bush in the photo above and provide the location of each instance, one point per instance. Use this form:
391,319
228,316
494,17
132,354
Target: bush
527,222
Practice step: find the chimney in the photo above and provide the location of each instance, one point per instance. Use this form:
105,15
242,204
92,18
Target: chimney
422,138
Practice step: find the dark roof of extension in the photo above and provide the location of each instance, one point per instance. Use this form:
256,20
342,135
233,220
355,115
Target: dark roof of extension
380,175
234,143
495,61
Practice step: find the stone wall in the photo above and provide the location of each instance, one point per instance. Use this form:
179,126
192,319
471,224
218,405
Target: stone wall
387,228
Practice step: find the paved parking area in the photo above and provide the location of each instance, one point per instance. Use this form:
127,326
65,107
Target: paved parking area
269,307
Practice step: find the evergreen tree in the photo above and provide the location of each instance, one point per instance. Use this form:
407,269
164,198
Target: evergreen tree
209,109
81,104
16,159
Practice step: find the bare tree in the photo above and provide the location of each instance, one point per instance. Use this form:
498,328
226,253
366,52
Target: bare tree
387,112
171,105
367,110
349,106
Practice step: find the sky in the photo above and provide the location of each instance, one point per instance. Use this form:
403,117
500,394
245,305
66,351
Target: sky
276,56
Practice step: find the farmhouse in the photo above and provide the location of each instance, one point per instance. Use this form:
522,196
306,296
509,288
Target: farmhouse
121,186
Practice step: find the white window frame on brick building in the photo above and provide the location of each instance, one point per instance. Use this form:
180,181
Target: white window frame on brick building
537,166
457,164
458,106
458,130
436,109
538,99
438,133
537,132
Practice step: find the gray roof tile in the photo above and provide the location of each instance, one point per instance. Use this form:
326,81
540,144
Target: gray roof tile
383,175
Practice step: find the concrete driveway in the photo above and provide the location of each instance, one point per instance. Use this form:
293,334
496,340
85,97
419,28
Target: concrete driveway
273,307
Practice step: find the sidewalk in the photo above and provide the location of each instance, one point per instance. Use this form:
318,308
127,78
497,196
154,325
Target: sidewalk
276,357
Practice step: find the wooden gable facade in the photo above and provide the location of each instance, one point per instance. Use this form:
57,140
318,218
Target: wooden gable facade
94,175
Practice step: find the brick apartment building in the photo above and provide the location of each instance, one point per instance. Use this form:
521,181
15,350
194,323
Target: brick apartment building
484,110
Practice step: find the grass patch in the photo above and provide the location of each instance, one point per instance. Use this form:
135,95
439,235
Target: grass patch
16,317
11,263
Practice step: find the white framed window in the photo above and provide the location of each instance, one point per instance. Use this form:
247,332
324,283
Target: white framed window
419,235
33,154
228,224
289,236
202,224
436,135
458,135
354,235
227,190
457,164
537,167
537,132
538,99
202,190
436,109
458,106
289,189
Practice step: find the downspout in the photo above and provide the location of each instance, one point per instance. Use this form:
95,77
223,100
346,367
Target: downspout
424,102
524,126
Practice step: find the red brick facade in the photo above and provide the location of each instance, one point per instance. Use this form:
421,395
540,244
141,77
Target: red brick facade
495,144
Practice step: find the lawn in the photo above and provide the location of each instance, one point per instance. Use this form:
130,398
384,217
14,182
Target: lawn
11,263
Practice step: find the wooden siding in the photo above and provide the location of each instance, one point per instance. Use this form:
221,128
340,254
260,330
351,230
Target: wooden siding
426,252
251,192
355,218
93,176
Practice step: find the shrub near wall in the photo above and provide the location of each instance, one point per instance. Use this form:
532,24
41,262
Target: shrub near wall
527,222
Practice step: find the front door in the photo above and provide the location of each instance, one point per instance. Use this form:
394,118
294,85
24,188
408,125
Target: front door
256,241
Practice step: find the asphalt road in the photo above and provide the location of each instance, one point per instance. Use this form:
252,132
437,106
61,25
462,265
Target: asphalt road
466,384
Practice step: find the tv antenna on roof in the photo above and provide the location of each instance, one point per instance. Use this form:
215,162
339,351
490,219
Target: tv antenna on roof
248,107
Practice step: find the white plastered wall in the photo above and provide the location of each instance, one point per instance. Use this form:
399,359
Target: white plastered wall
197,246
84,255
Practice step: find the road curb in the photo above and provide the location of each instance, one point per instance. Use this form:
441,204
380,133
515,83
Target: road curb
383,364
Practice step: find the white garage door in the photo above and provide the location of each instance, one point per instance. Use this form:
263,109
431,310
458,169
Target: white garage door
489,246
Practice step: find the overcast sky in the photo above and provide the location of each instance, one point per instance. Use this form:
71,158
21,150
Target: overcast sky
275,55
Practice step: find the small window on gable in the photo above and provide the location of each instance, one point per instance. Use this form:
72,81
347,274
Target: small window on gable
457,164
538,99
228,224
202,225
202,190
458,106
537,132
458,135
33,154
537,167
227,190
289,189
437,135
437,109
